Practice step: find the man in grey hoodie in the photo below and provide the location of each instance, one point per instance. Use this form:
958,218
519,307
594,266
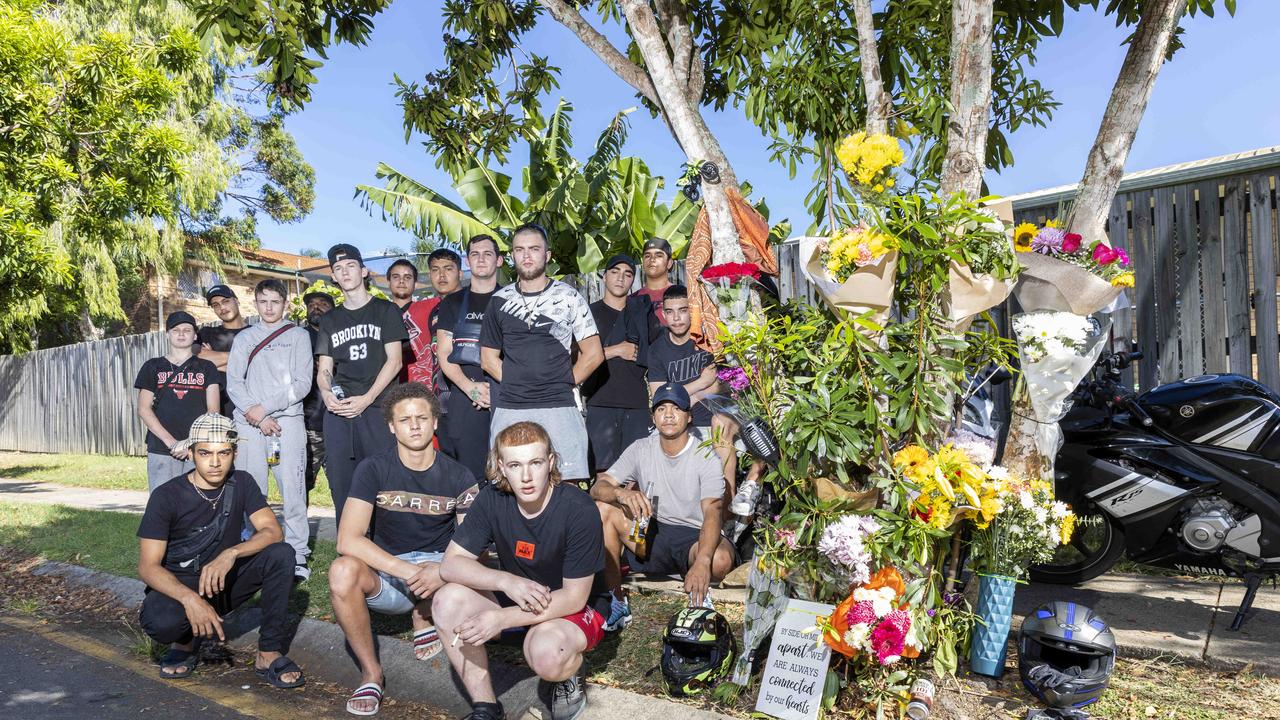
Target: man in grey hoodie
268,375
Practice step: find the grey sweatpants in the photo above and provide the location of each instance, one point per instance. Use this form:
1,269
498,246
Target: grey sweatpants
163,468
290,474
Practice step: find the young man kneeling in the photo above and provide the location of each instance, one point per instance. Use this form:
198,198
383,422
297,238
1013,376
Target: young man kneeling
689,482
197,569
549,546
414,497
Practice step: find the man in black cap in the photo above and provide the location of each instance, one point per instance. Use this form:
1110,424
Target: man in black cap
214,342
173,390
358,356
656,263
618,398
684,537
317,304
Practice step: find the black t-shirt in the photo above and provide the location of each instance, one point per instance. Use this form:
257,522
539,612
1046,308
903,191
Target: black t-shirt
181,395
463,416
669,362
565,540
313,403
356,340
219,339
413,510
175,509
536,332
619,383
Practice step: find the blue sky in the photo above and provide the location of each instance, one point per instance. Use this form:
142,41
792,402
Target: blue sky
1219,95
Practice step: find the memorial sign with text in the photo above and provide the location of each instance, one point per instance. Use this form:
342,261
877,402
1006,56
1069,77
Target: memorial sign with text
796,671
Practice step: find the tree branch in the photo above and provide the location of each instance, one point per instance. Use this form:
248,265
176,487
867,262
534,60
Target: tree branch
878,104
1119,126
671,16
632,74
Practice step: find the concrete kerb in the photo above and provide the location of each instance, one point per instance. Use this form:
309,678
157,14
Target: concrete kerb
319,648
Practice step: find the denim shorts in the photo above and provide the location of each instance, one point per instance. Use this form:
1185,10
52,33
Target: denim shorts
393,596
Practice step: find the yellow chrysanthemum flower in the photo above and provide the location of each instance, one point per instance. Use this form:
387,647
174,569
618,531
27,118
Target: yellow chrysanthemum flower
1068,527
1052,224
865,158
1123,280
910,457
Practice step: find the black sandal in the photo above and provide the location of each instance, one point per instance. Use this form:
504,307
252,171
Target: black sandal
175,658
281,666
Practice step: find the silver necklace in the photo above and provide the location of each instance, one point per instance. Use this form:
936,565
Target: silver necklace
213,501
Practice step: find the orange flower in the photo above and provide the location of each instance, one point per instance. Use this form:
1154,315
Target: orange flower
889,577
834,636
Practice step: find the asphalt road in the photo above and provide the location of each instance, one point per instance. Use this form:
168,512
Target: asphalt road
40,678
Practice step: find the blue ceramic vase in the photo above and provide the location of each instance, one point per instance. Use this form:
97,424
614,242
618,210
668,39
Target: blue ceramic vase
991,636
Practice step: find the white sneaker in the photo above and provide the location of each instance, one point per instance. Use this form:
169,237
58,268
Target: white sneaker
301,573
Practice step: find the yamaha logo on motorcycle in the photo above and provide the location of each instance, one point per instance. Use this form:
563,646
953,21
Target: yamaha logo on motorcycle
1185,476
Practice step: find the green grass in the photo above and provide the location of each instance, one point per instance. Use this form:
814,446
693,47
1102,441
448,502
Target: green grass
93,538
107,472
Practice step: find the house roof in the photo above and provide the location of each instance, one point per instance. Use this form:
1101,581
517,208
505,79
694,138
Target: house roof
1159,177
276,259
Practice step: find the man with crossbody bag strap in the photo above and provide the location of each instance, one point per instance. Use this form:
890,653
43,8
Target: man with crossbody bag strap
268,375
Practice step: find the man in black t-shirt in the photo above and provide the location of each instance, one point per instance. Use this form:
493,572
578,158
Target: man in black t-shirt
173,390
358,357
526,343
459,318
196,567
213,343
413,497
617,397
675,357
317,303
550,546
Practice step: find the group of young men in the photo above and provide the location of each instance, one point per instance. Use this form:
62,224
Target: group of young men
458,450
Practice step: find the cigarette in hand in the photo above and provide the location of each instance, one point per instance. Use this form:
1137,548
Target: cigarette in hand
456,638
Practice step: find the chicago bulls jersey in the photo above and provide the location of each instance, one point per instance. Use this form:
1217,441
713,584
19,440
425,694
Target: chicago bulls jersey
179,395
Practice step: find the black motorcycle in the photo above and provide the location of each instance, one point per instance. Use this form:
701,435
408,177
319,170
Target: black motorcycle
1185,477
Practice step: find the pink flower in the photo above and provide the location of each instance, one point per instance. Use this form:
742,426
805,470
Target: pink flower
788,538
1104,255
862,613
1071,242
1124,256
889,636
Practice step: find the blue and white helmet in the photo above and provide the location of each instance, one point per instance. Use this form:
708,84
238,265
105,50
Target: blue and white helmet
1066,654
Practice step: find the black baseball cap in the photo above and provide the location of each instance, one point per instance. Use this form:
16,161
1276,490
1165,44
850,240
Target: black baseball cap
317,294
344,251
219,291
671,393
658,243
620,259
177,318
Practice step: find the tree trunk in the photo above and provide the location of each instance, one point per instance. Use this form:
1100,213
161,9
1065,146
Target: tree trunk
1129,97
869,63
971,38
687,125
88,330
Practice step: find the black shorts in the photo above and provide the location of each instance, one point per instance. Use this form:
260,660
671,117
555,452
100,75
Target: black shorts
668,551
612,430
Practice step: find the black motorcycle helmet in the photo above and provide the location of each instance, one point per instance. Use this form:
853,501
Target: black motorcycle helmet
1066,654
698,649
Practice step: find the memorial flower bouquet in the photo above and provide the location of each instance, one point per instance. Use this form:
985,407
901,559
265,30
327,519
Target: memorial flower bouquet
851,249
869,160
1063,272
730,285
951,487
1028,527
874,622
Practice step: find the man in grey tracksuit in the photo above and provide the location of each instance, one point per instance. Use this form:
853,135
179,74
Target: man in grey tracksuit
268,375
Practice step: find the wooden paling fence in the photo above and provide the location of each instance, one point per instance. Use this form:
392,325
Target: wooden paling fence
1205,256
77,398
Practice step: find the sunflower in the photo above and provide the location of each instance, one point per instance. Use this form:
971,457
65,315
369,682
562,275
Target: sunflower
1023,235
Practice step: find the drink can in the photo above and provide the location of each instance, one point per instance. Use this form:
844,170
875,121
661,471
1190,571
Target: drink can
921,704
338,392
